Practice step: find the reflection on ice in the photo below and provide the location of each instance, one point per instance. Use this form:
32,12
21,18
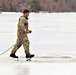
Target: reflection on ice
22,69
38,66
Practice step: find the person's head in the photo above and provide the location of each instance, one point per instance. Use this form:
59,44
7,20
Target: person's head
26,13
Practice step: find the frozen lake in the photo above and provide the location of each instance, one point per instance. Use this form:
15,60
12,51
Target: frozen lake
53,41
53,34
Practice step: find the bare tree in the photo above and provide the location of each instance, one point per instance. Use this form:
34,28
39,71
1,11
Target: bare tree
46,5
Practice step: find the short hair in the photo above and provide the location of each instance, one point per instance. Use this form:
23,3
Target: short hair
25,11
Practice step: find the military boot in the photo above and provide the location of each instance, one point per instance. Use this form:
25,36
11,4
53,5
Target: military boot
29,55
13,55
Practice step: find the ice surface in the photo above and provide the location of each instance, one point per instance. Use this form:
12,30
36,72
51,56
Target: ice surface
53,41
53,33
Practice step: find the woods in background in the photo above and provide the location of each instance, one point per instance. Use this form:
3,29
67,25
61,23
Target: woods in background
38,5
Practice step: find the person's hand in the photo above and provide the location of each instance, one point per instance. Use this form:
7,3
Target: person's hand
29,31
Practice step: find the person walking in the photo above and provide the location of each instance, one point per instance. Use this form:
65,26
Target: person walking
22,38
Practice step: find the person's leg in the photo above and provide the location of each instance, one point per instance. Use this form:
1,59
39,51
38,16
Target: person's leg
26,44
16,47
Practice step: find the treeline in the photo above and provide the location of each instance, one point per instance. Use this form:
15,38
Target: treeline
38,5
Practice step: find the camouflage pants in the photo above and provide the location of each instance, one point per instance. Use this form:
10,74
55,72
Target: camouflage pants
22,40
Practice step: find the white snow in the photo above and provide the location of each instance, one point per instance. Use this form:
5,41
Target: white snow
53,41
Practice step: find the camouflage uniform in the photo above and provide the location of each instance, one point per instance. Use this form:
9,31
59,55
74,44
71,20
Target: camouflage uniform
22,38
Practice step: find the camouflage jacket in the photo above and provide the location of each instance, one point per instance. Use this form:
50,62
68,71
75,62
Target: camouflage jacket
22,25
